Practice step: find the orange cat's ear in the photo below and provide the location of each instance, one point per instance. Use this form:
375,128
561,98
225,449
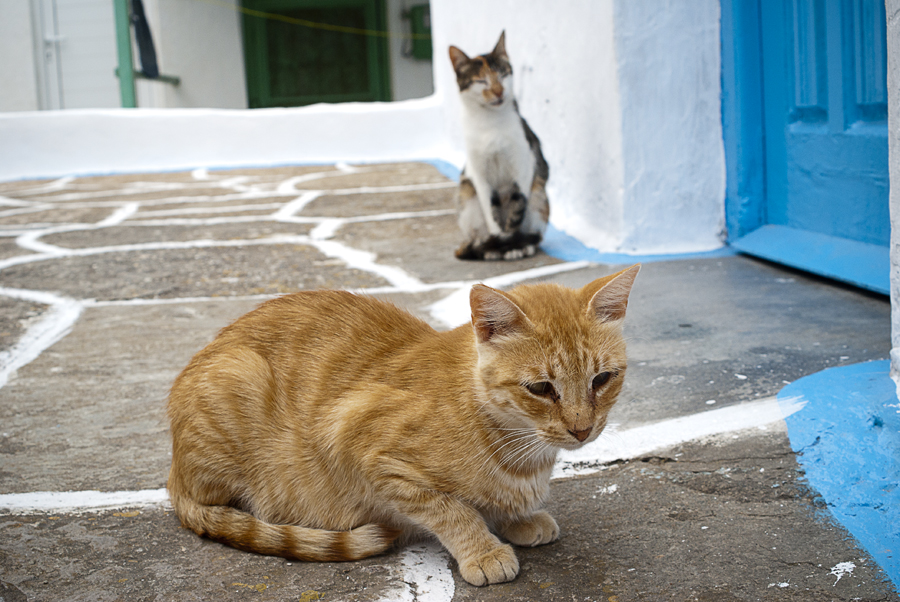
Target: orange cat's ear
458,58
610,300
500,48
494,314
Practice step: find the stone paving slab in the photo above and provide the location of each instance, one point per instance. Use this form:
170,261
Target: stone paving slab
87,215
127,297
134,233
352,205
8,248
193,272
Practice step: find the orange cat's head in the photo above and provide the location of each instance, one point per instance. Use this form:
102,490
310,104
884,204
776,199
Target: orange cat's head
552,359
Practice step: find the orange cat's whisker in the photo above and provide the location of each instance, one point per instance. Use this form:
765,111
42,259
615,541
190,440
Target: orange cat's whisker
532,450
515,438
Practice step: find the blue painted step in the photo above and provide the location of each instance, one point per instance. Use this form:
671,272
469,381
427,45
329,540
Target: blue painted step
860,264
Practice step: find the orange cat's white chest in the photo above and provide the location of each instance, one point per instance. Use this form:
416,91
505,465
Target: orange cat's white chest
509,494
518,497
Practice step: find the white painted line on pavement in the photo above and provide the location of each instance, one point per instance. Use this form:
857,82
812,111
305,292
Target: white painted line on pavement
53,326
289,210
454,309
610,447
615,445
80,501
425,575
365,261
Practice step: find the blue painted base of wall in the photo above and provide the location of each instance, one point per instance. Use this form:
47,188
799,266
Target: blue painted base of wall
857,263
447,169
562,246
847,439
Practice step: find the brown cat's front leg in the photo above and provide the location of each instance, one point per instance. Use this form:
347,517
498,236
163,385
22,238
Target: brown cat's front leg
483,559
536,530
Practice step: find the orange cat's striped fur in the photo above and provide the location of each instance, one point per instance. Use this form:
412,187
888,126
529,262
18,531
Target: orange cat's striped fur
325,425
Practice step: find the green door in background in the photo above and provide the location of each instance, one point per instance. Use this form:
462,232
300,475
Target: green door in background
300,52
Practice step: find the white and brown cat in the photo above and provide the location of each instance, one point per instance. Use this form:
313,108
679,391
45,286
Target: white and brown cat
325,425
502,198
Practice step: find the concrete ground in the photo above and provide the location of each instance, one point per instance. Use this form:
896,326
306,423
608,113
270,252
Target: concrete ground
108,285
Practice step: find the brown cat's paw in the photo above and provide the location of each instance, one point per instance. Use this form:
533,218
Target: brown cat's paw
497,566
538,529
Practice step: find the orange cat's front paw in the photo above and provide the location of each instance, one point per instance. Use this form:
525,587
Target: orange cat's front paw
538,529
497,566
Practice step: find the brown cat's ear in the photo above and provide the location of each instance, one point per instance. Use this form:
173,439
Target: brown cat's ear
494,314
458,58
609,295
500,48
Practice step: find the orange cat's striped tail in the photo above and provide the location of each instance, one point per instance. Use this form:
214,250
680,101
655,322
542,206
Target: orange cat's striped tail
246,532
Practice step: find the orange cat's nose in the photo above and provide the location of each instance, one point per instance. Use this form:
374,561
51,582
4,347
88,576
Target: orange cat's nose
581,435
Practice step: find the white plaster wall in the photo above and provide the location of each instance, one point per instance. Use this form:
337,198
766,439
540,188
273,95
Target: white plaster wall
670,73
565,78
410,78
56,143
201,43
18,78
893,42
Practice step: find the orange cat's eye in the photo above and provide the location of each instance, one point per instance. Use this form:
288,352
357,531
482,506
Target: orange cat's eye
601,379
543,389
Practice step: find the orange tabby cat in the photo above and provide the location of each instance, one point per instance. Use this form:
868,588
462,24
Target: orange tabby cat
325,425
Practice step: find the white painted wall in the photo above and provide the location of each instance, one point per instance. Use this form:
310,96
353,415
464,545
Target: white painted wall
893,41
670,72
55,143
410,78
18,80
201,43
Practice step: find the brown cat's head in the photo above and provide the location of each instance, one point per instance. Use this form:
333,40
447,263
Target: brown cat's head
487,78
552,359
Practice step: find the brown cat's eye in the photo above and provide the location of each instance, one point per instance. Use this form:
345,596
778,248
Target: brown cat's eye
542,389
601,379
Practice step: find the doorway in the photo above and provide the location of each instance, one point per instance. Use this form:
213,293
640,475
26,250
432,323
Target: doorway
75,51
805,121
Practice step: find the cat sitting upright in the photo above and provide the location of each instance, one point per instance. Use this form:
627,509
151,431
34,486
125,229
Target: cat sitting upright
502,201
324,425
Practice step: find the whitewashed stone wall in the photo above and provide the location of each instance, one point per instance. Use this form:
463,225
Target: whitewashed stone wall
893,39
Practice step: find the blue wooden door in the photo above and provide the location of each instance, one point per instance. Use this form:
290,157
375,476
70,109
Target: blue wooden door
824,125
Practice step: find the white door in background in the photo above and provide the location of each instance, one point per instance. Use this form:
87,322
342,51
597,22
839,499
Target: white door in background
76,41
